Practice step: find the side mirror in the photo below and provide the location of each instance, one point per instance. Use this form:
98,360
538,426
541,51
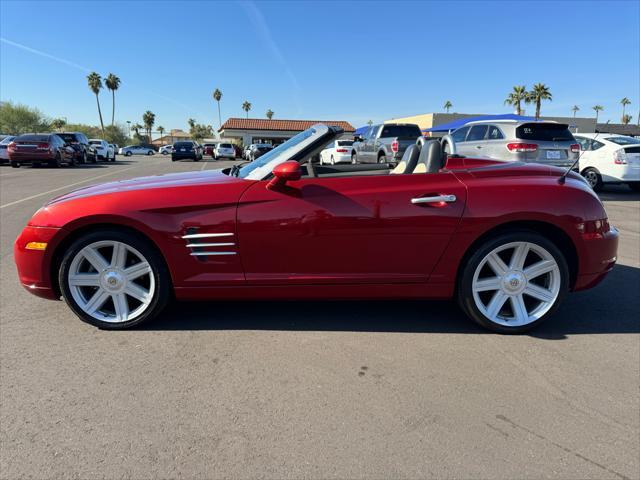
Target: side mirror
357,138
285,172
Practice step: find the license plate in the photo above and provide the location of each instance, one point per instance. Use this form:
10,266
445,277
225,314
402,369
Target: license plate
182,149
553,154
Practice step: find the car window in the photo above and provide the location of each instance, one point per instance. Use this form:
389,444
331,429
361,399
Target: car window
477,132
494,133
460,134
401,131
7,140
544,132
595,145
345,143
585,143
624,140
32,138
225,145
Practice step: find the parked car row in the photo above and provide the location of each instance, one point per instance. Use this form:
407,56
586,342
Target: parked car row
55,149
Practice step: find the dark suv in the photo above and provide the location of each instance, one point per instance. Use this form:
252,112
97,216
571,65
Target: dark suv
182,150
84,152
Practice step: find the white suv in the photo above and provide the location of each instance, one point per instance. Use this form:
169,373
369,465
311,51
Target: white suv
224,150
609,158
104,151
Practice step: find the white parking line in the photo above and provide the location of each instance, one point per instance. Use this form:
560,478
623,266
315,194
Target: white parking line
26,199
204,165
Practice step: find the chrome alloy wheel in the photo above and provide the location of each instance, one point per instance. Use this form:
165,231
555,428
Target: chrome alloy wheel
592,178
116,290
516,284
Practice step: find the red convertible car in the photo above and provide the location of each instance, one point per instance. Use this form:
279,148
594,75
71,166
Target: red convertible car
507,240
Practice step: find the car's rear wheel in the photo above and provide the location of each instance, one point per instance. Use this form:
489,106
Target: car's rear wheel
55,163
15,164
382,159
593,178
128,154
513,282
113,279
150,152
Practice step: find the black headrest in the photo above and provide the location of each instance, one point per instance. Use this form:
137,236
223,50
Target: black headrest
431,155
410,157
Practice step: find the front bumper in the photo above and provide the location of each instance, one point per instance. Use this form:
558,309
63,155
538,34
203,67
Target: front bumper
597,258
34,266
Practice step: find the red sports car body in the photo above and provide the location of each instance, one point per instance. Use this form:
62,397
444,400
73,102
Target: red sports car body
508,240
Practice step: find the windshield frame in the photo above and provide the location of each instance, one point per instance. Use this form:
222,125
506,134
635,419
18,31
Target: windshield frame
293,149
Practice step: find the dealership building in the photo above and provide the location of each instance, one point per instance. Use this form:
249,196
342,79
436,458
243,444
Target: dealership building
263,130
430,120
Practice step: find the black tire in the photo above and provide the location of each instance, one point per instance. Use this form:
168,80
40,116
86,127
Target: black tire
593,178
382,158
84,158
55,163
128,154
465,296
635,186
160,273
150,152
15,164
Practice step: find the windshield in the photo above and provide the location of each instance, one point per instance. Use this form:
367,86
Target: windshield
67,137
32,138
624,140
6,140
544,132
262,167
345,143
95,142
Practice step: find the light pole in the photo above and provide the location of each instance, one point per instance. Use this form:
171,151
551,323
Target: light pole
129,126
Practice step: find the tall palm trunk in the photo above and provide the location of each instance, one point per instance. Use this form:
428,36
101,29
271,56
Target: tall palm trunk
113,106
100,114
538,102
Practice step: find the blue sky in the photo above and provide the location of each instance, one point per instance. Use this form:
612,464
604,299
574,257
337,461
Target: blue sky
317,60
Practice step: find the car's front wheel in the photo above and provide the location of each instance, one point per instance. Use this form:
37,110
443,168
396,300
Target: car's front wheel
114,279
513,282
128,154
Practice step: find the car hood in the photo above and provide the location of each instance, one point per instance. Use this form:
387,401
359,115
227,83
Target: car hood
170,180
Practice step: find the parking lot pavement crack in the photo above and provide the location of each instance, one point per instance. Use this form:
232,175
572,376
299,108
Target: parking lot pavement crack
561,447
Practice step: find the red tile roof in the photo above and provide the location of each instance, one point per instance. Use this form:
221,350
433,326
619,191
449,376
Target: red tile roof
266,124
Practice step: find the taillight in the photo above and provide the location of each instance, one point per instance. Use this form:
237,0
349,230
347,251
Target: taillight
620,157
394,146
342,150
594,228
575,148
522,147
11,146
42,146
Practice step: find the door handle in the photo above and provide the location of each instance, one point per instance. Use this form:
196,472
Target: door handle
436,199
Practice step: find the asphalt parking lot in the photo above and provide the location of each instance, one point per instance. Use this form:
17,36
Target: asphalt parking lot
314,389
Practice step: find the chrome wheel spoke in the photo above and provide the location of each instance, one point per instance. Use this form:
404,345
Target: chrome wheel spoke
121,307
95,258
496,264
137,292
84,280
519,256
539,268
137,270
96,301
496,303
119,255
520,314
539,293
487,284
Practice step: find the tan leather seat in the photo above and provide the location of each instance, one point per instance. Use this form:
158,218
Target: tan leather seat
408,162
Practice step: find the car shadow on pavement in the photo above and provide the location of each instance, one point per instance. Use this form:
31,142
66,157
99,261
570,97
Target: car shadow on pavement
618,193
612,307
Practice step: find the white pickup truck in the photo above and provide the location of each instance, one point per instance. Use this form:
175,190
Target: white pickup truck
104,151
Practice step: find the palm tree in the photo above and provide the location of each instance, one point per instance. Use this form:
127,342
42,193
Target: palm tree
574,109
217,96
626,119
597,108
136,127
246,106
370,122
112,82
447,105
161,130
624,102
95,84
191,122
516,97
269,114
148,118
538,93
